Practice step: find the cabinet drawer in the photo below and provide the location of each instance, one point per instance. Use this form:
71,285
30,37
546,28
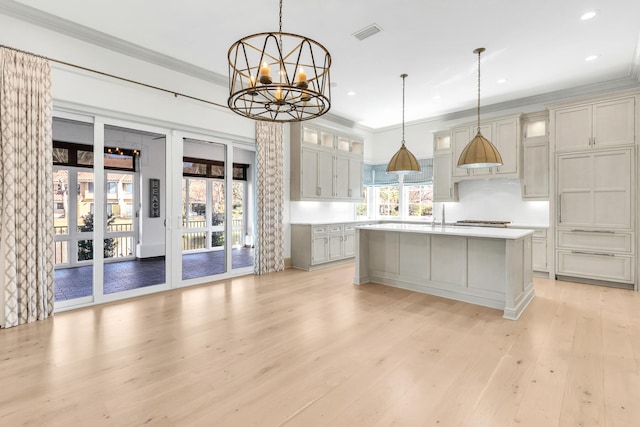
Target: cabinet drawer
349,228
598,241
317,231
616,268
335,229
540,232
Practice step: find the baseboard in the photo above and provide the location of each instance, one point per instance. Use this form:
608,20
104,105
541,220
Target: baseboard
287,263
595,282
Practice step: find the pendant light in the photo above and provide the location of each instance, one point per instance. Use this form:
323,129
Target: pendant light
279,77
480,152
403,161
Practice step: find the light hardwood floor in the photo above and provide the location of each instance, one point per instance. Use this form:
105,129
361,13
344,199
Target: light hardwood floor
310,349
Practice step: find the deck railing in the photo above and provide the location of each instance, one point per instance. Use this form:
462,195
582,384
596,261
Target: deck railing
124,244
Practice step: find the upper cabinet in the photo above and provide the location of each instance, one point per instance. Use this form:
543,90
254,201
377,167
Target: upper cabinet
504,134
444,189
535,156
595,125
325,165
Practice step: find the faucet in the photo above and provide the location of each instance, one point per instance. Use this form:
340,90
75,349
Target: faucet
443,220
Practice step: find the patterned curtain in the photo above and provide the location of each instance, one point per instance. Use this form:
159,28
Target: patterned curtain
26,197
269,256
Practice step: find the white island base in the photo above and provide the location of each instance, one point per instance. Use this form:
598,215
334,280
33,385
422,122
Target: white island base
491,267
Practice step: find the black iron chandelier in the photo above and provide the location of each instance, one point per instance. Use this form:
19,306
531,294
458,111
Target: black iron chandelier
279,77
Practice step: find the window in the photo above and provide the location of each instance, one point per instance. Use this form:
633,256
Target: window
387,201
112,187
211,169
128,188
387,196
81,155
361,208
419,200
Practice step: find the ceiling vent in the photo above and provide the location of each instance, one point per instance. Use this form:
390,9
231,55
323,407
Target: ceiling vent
367,32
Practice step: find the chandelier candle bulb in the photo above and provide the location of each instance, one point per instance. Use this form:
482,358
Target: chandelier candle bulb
251,84
302,79
265,74
278,96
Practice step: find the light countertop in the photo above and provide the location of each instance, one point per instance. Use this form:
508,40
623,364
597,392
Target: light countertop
387,221
486,232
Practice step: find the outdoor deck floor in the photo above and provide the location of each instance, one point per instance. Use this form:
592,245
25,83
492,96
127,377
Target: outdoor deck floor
71,283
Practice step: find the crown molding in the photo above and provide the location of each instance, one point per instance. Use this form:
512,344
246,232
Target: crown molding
89,35
594,89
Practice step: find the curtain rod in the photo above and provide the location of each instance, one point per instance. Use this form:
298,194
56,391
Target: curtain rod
80,67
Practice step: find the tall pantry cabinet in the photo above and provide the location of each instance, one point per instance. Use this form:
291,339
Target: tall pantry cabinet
594,146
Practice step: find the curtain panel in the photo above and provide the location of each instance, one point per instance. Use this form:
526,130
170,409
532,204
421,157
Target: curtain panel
26,193
269,256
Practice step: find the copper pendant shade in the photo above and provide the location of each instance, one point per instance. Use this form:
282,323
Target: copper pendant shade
479,152
403,161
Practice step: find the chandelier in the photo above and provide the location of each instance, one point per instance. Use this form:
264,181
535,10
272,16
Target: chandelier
279,77
403,161
479,152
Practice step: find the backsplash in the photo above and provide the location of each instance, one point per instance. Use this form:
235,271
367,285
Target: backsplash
306,212
494,199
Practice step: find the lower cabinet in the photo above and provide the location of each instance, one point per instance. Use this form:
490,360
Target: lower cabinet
603,255
539,250
320,246
595,265
316,246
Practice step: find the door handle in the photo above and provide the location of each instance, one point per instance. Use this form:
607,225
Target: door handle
559,208
592,253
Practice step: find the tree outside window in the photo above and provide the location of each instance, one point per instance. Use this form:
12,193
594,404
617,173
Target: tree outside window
361,208
388,201
419,199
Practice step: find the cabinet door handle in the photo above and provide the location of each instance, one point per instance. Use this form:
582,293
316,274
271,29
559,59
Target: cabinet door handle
450,192
593,231
592,253
594,141
559,208
318,191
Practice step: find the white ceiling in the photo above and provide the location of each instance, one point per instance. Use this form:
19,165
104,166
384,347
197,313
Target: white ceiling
539,46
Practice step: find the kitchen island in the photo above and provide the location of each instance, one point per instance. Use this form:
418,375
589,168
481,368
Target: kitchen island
485,266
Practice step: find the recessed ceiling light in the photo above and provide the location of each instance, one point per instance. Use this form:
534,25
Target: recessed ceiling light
502,80
589,15
351,93
437,97
591,57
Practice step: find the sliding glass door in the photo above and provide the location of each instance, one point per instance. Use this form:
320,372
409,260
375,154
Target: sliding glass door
134,205
217,209
204,217
115,234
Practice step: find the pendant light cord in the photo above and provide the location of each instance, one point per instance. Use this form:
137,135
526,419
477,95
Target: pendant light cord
404,76
280,31
479,52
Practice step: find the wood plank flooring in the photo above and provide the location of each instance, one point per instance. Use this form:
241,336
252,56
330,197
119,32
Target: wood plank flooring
311,349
